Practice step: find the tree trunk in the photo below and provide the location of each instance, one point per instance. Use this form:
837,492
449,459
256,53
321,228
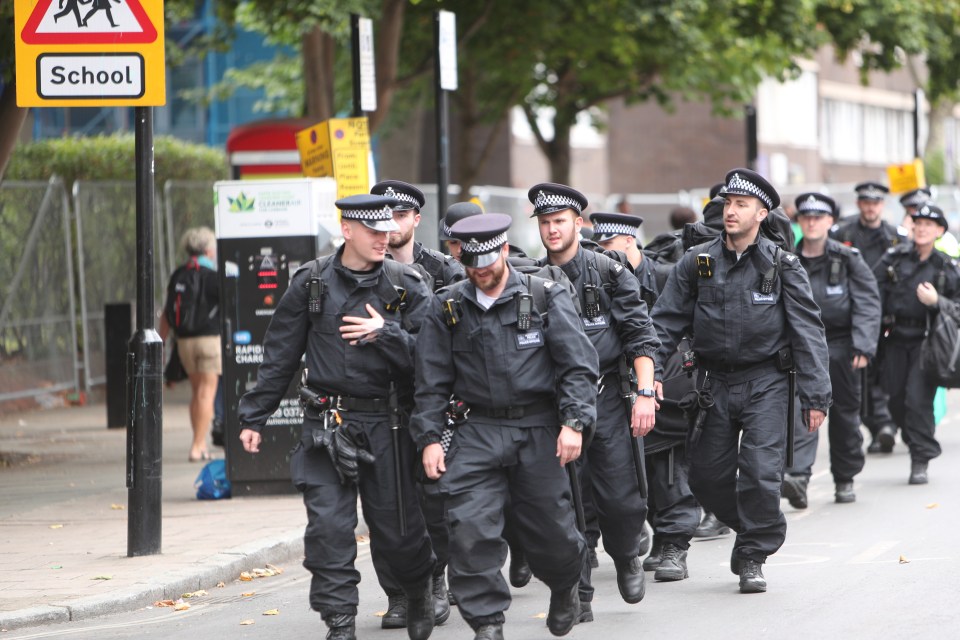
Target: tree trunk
935,154
559,152
318,58
12,118
387,52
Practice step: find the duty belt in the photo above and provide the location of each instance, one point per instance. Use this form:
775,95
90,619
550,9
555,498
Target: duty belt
723,367
347,403
915,323
515,412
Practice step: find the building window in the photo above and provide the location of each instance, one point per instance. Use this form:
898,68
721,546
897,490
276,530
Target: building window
857,133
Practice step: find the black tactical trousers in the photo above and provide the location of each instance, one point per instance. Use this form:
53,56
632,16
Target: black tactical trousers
741,486
911,397
488,464
878,403
330,546
435,514
843,427
674,512
608,462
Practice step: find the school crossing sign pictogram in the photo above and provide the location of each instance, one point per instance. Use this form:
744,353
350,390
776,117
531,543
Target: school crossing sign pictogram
90,53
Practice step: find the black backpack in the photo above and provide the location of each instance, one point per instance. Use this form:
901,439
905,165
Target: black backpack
188,309
940,352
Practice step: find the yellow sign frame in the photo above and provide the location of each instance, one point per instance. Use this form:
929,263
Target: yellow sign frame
137,68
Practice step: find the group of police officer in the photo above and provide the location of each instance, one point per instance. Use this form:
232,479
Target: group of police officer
487,398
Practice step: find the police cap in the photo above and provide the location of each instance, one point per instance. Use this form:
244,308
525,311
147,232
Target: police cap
607,226
373,211
548,197
481,238
715,189
930,211
871,191
408,196
457,212
815,204
915,198
744,182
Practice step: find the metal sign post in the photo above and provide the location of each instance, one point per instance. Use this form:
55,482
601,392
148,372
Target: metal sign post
364,71
445,70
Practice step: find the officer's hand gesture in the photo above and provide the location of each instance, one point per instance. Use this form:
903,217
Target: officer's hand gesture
433,461
250,440
644,416
815,418
860,361
926,294
568,445
357,329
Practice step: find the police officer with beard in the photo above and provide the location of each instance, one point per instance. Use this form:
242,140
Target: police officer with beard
845,290
441,270
355,316
749,308
616,320
872,236
511,347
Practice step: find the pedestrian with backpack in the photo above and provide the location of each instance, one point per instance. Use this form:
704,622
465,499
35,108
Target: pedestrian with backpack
192,312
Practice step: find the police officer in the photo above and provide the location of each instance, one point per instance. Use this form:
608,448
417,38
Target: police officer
620,232
355,316
512,348
749,308
912,201
916,282
673,511
455,213
616,320
443,269
845,290
872,235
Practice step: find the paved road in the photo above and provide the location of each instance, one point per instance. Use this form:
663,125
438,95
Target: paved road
885,566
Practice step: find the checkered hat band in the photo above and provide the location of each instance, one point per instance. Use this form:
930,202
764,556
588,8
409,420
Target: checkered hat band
447,230
812,204
402,197
386,213
871,192
553,200
916,200
614,229
487,246
446,437
745,187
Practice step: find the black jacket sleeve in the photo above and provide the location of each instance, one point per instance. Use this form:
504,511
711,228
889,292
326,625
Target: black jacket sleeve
807,336
865,302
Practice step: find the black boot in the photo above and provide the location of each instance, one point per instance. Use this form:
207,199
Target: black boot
652,561
489,632
420,611
794,489
342,626
673,564
441,610
886,438
586,612
751,576
396,615
520,573
844,493
918,472
630,580
710,527
564,610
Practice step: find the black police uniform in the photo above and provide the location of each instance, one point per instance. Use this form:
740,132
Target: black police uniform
738,330
361,377
444,269
845,290
519,385
620,329
905,320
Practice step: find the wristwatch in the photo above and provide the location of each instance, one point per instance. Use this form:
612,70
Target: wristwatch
574,424
647,393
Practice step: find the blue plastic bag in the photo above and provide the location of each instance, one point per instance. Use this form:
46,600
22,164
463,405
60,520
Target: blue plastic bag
939,405
212,483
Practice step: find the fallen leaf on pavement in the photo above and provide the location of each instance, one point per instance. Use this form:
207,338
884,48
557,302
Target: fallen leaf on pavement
246,622
246,577
276,570
102,577
380,614
164,603
194,594
56,526
56,566
932,505
272,612
181,606
247,594
540,616
221,585
118,507
362,539
903,560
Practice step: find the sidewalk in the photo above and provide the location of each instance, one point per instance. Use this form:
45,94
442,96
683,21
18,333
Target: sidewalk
63,520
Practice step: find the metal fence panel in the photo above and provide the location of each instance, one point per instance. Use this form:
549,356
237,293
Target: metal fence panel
38,347
186,204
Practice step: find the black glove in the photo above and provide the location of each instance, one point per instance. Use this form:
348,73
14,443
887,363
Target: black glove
348,455
324,439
